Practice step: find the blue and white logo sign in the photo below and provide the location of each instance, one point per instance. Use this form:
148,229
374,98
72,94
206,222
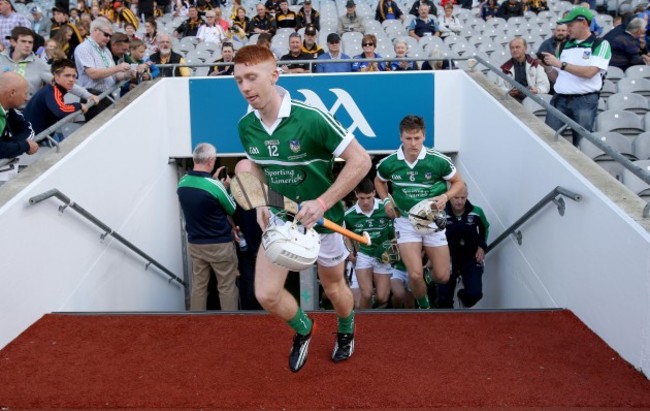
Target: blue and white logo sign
367,104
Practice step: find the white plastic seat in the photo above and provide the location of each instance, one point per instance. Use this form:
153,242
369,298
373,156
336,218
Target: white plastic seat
633,102
641,146
634,183
634,85
620,121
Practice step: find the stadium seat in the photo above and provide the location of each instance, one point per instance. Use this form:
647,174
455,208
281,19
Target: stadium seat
535,108
640,71
634,183
634,85
641,146
620,121
616,141
635,103
614,74
608,89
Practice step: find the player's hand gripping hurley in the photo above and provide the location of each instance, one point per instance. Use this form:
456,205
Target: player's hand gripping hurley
249,192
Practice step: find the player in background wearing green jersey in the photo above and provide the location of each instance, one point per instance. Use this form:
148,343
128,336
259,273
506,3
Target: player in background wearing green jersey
292,147
368,215
417,173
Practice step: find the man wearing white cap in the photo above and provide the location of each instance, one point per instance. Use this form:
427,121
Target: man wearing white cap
578,72
40,25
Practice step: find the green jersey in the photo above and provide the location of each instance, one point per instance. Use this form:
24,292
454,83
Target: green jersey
297,152
411,183
377,224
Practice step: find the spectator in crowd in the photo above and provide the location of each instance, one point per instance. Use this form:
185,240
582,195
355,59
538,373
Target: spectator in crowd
264,40
388,10
626,45
430,172
511,8
536,6
286,18
166,55
552,44
467,234
295,53
236,4
307,15
9,19
124,15
368,215
449,24
63,37
211,31
203,6
272,7
145,69
256,75
59,20
223,22
577,73
16,134
40,24
401,48
489,9
334,53
242,21
350,21
227,54
129,30
263,22
208,208
119,46
150,37
415,8
97,70
369,44
424,24
525,70
51,51
145,9
438,61
47,106
310,45
189,27
21,59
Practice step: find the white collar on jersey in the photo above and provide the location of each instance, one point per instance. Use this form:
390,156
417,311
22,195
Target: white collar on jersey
285,106
360,211
400,153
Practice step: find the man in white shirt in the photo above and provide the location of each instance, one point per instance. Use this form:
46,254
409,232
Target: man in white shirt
211,31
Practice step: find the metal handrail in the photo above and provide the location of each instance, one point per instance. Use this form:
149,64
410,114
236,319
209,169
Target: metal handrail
315,61
615,155
553,196
107,230
45,134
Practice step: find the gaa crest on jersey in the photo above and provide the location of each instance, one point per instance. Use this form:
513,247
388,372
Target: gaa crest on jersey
586,54
253,150
428,175
294,145
470,219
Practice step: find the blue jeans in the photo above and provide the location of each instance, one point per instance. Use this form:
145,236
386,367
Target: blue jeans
580,108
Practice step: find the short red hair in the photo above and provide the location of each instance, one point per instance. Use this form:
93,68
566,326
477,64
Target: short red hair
253,54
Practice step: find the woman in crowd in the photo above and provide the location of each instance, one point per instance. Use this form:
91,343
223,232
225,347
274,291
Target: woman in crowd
62,38
151,35
449,24
489,9
369,44
401,47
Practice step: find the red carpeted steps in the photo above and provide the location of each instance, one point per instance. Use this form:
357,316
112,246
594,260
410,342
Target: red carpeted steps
406,360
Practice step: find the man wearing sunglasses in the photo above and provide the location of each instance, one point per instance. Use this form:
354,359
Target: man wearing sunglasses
97,70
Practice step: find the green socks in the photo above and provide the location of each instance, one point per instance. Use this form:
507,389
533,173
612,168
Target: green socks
346,324
300,322
423,302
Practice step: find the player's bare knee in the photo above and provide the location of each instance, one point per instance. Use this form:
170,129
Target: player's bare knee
267,299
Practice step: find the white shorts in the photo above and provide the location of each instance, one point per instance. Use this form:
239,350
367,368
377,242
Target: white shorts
332,250
364,261
406,233
401,276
